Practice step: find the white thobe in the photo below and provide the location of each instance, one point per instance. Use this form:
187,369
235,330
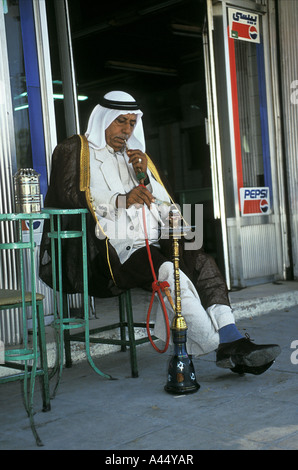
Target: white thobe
112,175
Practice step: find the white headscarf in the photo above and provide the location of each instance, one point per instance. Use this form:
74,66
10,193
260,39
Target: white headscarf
102,117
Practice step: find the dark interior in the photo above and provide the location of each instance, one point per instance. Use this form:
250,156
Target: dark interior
154,51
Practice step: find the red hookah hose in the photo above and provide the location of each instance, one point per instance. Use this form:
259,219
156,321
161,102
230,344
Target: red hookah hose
156,287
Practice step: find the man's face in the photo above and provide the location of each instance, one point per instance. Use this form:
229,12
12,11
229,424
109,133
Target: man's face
120,130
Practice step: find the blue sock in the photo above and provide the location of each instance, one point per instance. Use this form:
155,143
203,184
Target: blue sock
229,333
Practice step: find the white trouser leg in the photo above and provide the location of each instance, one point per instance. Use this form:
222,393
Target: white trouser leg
202,332
221,315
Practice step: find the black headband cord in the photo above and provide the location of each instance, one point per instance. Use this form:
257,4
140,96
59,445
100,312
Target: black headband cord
128,105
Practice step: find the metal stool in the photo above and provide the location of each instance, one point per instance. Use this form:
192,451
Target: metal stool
63,324
26,357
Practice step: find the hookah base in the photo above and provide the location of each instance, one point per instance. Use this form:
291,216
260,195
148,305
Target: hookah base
181,376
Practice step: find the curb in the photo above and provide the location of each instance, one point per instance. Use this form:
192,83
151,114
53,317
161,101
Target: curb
264,305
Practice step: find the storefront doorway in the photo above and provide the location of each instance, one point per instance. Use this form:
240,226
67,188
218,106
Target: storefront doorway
153,50
240,87
200,70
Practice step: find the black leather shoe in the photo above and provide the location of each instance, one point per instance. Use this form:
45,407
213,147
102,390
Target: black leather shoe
241,370
245,353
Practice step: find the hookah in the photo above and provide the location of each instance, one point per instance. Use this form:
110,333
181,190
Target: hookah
181,373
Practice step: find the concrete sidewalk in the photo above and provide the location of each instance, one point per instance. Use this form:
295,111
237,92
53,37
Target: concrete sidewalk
228,412
246,303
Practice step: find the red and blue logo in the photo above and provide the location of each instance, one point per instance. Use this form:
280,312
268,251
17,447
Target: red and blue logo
244,31
244,25
264,206
253,33
37,230
255,201
36,225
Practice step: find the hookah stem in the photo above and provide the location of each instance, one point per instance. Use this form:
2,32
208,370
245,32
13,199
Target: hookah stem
176,275
157,287
141,181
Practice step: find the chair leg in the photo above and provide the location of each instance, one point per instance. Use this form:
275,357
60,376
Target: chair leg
43,358
61,346
131,335
28,392
67,348
59,365
31,407
122,320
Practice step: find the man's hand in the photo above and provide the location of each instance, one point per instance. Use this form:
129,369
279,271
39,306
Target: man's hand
138,160
138,195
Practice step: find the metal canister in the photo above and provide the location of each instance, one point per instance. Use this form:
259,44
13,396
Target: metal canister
27,191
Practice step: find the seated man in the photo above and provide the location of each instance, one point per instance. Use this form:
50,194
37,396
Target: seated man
99,171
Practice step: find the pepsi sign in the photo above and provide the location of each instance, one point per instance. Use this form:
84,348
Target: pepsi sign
244,25
255,201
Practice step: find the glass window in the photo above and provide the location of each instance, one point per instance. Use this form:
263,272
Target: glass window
18,84
249,102
249,114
